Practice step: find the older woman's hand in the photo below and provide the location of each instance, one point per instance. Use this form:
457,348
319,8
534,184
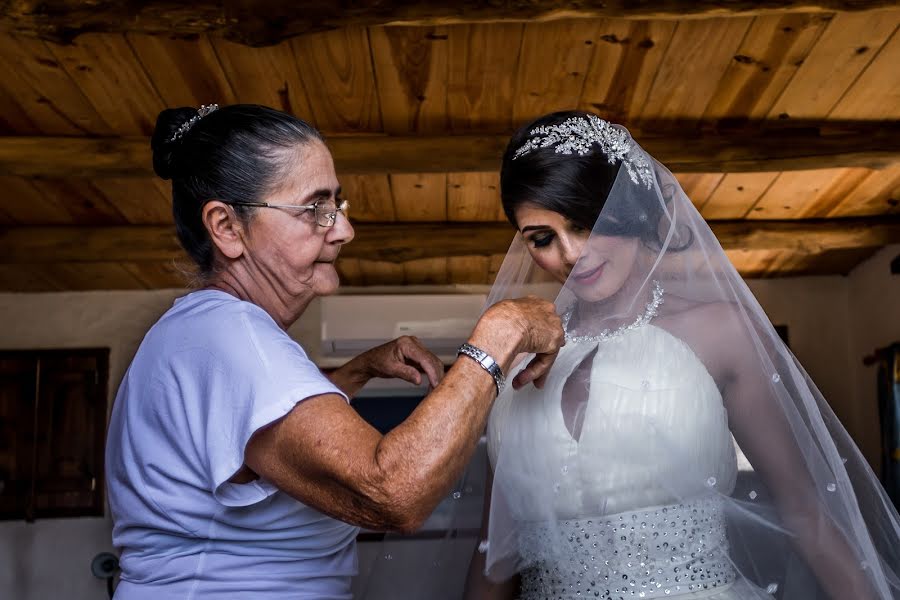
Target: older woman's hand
404,358
522,326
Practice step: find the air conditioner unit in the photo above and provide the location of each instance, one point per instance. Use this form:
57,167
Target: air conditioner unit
354,324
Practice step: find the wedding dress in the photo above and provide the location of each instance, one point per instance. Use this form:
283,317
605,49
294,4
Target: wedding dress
626,524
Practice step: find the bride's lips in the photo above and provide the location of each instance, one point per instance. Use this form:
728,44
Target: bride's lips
588,277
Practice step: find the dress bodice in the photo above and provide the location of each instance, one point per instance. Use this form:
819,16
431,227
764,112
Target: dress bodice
654,432
630,508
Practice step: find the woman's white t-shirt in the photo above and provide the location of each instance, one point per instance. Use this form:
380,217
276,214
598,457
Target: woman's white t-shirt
211,372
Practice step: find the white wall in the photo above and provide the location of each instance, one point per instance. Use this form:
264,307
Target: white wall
833,322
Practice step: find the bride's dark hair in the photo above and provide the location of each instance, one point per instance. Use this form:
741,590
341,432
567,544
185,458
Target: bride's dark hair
574,186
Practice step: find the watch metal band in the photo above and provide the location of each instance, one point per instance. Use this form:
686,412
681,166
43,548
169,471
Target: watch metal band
487,363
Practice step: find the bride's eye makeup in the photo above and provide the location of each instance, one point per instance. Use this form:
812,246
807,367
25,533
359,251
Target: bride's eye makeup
542,240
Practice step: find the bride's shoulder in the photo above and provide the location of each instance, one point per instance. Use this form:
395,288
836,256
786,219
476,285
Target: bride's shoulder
694,311
709,323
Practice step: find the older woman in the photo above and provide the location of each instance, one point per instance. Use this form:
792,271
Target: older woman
235,467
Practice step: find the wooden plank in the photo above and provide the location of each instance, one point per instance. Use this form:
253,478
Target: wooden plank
266,22
369,196
878,193
339,80
139,201
697,57
835,262
553,63
736,195
426,271
495,264
771,53
419,197
26,278
23,203
468,269
842,52
377,272
267,76
750,263
13,119
411,73
38,82
154,243
625,63
481,76
91,276
161,275
185,72
876,94
832,196
80,201
349,271
871,145
474,197
795,194
402,242
699,186
113,80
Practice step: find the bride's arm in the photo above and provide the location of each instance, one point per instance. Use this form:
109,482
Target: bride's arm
479,587
762,430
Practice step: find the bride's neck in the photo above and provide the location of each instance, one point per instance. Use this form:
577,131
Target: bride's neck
629,300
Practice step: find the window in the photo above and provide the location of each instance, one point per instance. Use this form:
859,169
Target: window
52,431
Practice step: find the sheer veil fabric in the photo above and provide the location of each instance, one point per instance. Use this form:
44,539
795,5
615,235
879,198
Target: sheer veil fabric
677,448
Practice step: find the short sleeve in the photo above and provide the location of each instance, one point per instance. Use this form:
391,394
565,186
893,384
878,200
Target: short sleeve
254,375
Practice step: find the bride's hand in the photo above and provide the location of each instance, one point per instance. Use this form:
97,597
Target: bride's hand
525,325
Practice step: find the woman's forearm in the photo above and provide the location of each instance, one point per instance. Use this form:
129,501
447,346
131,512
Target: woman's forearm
352,376
445,429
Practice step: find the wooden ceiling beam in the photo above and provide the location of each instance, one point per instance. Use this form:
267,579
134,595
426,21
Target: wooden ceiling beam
266,22
872,145
399,242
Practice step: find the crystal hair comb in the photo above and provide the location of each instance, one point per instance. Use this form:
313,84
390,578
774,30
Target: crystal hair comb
579,134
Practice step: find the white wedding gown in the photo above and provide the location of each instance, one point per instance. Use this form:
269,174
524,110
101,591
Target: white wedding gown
635,508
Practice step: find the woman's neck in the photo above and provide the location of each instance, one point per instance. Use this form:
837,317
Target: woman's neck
283,307
622,307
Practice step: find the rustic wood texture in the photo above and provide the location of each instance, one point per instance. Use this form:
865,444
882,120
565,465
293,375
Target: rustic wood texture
765,111
265,22
404,242
876,145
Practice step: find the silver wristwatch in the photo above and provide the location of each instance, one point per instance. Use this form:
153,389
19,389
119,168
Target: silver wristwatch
487,363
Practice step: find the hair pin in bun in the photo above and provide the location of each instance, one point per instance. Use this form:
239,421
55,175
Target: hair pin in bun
186,126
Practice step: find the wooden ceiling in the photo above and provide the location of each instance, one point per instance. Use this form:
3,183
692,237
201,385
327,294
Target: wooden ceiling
781,123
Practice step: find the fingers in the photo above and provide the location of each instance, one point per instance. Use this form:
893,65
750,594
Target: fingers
536,372
426,361
406,373
413,356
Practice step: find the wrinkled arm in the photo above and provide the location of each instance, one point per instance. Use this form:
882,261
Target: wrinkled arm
323,454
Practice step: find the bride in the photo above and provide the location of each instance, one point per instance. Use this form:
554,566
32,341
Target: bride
676,448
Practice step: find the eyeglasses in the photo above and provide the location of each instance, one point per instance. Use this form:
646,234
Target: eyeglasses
326,210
